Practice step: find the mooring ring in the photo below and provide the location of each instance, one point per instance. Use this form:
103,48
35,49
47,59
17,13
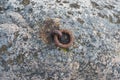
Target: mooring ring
67,40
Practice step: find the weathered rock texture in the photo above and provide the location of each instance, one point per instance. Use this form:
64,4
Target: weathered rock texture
95,54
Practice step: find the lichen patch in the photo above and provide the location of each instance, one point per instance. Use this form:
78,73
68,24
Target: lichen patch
74,5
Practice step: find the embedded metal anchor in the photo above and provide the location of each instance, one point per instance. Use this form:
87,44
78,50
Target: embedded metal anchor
63,38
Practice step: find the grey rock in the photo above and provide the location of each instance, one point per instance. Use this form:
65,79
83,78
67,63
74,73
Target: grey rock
93,56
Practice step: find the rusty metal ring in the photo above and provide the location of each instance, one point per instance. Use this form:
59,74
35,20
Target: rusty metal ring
57,32
64,44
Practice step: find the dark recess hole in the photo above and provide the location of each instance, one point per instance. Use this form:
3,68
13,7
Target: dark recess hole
65,39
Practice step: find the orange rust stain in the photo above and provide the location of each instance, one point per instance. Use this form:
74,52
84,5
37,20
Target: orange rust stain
49,25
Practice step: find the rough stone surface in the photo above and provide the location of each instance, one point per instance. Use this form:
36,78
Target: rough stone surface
93,56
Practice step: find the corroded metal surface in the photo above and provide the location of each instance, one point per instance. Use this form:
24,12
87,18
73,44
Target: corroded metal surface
67,39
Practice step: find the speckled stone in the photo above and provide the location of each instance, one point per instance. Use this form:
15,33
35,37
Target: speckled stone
94,55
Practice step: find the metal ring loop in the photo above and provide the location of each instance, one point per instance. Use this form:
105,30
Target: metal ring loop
64,45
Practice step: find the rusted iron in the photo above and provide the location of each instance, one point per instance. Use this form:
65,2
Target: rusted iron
56,32
63,38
